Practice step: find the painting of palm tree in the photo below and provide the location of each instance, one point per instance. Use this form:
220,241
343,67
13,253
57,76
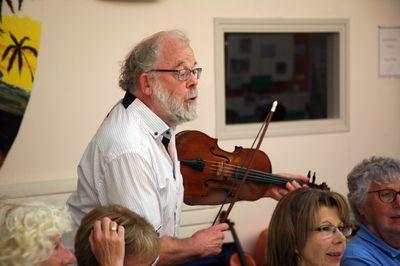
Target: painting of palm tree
18,50
19,43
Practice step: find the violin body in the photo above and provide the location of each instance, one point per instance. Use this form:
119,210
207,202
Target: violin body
221,170
207,168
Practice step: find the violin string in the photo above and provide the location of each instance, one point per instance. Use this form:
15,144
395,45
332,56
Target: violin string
254,175
247,161
250,161
232,188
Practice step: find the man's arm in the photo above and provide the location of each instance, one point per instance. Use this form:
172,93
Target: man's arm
203,243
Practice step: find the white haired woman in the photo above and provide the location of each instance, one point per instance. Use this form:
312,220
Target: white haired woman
30,234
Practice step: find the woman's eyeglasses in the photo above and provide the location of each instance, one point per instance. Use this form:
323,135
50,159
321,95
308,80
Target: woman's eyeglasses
182,74
329,230
386,195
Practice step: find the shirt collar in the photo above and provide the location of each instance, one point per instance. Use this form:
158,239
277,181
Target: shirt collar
153,124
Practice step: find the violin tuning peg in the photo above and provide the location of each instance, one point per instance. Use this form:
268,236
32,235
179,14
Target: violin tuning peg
313,178
309,174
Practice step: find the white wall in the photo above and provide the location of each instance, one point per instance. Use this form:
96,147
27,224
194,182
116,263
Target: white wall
83,43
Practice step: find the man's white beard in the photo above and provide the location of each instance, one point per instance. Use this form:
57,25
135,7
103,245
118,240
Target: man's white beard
172,107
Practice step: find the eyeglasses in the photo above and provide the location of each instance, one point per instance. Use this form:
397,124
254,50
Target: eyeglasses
386,195
329,230
182,74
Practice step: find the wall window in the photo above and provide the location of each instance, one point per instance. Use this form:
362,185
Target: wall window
300,63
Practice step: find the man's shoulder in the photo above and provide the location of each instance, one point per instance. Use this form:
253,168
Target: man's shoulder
365,250
120,133
359,252
359,246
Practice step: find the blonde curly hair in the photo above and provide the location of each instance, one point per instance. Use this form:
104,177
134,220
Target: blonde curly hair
28,231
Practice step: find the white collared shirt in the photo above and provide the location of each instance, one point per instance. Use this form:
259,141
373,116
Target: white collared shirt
126,164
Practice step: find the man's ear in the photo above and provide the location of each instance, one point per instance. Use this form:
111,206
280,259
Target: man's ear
144,84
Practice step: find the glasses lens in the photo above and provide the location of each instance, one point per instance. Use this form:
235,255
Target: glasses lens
183,74
197,72
387,195
326,231
346,230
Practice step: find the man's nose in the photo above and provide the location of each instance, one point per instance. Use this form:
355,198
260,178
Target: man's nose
397,199
192,81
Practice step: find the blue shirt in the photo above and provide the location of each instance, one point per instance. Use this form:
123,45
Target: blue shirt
368,249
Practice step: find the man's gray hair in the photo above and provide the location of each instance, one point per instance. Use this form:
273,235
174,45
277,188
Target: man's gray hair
144,57
372,170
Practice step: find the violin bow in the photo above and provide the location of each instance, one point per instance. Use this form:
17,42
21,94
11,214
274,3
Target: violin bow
264,128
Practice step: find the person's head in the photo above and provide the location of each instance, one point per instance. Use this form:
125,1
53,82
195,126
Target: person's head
304,229
170,94
30,234
141,241
373,184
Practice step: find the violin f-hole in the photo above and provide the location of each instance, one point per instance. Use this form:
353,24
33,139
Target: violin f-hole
212,151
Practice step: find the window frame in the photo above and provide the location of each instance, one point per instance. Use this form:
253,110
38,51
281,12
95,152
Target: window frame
284,128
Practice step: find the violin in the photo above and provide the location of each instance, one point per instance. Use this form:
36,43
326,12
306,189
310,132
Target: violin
239,258
206,167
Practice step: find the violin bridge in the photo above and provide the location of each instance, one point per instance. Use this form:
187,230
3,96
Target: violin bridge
220,169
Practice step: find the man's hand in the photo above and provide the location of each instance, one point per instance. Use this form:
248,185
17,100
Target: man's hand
277,192
203,243
209,241
107,242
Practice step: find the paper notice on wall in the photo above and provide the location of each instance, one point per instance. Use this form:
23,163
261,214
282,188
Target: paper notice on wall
389,51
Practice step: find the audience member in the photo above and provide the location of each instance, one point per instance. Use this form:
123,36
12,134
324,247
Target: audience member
308,227
30,234
120,236
374,188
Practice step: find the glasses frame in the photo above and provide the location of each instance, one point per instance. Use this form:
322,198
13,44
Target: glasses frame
154,263
386,189
182,73
346,229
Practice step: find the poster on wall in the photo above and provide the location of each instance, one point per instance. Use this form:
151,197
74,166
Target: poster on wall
389,51
20,30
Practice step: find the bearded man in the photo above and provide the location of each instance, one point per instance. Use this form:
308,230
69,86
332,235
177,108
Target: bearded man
132,160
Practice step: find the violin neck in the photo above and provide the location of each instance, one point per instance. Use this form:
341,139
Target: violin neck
263,177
